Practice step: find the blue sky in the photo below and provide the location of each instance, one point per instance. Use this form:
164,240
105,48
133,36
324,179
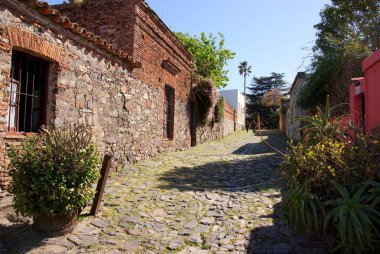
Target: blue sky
272,35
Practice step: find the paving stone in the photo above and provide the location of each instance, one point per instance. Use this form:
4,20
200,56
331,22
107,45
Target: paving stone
214,214
202,229
53,249
185,232
208,220
109,242
191,224
195,238
212,196
101,222
131,244
175,244
136,232
159,213
86,229
83,240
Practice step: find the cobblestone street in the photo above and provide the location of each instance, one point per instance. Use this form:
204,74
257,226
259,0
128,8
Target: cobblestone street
218,197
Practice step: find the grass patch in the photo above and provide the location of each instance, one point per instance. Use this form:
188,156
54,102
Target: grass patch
205,246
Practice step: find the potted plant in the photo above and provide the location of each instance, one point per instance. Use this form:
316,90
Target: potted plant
53,175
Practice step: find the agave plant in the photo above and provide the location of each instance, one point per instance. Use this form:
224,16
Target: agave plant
323,123
302,210
354,219
374,196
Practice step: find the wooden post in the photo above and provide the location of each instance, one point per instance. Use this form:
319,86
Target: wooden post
258,122
101,184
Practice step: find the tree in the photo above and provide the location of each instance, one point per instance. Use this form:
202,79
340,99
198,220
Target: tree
272,98
244,70
210,55
259,88
348,32
77,2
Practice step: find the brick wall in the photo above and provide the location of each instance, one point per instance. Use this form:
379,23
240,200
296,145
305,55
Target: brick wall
86,85
230,119
131,25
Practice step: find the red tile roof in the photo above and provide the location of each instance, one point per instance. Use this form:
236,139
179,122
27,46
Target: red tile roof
44,9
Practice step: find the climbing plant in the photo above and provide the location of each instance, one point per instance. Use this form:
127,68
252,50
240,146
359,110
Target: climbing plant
219,110
205,96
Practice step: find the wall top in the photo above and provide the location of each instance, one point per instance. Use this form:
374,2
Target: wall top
44,9
371,60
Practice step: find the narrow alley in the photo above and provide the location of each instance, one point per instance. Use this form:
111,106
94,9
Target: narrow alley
217,197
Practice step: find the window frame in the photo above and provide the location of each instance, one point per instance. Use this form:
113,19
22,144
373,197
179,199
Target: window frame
18,59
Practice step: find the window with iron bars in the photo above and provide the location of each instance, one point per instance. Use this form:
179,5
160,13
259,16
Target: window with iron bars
169,112
27,89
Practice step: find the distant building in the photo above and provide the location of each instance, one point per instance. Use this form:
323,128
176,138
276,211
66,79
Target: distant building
237,101
294,124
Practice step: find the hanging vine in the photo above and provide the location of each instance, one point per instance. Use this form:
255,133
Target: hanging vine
205,96
219,110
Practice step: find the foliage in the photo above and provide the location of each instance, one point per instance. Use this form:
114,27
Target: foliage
77,2
244,70
303,210
354,219
205,96
331,164
323,123
219,110
210,55
53,171
272,98
258,88
347,33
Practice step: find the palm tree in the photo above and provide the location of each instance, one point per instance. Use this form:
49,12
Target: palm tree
245,70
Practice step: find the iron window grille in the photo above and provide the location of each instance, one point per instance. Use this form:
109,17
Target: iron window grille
28,84
169,112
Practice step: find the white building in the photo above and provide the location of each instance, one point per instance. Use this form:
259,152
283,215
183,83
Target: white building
294,124
237,101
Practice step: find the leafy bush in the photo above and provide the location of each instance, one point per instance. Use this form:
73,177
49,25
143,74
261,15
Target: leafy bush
219,110
303,210
205,96
330,166
53,171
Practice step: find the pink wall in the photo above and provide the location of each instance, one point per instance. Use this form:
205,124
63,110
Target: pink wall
368,92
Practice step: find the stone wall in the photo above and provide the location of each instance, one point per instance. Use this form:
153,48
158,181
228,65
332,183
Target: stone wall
215,131
86,85
228,127
294,124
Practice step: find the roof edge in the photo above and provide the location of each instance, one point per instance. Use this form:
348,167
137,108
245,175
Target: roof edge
160,22
43,8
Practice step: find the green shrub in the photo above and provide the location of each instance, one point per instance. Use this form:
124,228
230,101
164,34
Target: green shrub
323,124
329,167
302,210
219,110
53,171
354,219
